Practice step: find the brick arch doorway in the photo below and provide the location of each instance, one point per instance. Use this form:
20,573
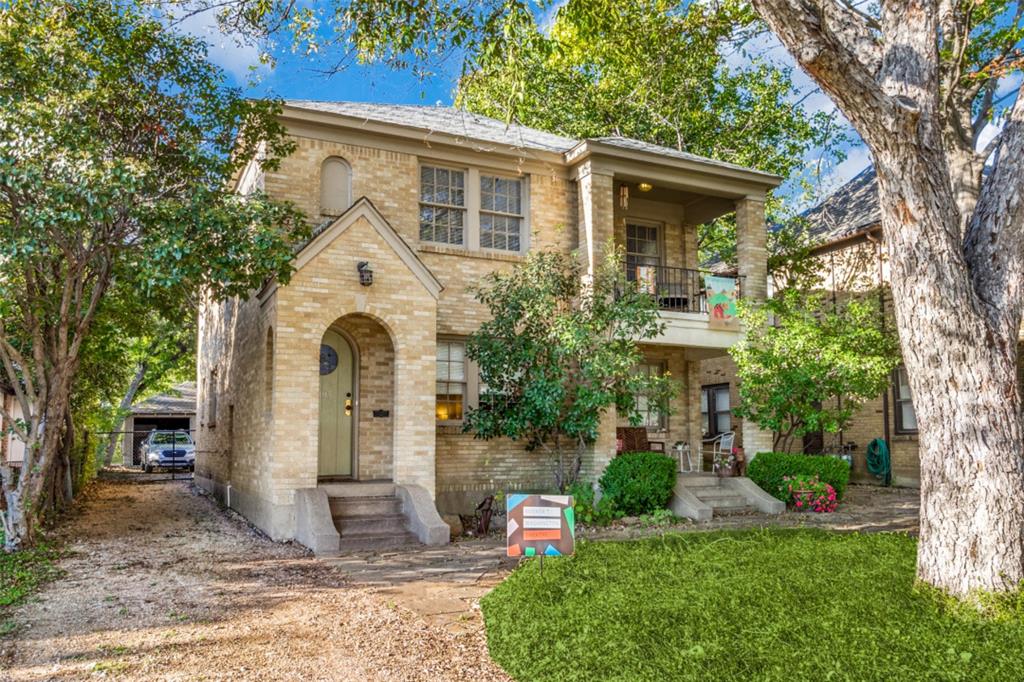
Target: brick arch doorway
367,406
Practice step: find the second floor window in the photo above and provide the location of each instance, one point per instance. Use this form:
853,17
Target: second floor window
906,420
451,380
501,213
442,205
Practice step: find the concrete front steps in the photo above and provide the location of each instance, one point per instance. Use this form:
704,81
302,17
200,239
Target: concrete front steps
338,518
368,516
701,497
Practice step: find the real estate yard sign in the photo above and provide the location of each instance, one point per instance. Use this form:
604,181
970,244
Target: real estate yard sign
721,293
541,525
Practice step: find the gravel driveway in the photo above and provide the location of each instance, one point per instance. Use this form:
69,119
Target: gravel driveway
160,584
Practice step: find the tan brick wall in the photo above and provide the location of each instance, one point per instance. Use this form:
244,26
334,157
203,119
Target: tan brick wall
275,400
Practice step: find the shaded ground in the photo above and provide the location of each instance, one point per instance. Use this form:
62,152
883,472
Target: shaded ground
160,584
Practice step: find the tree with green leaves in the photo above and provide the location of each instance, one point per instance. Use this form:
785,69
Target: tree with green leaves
559,352
808,364
117,144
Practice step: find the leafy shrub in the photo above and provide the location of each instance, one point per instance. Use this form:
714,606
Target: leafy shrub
770,469
600,514
808,493
639,482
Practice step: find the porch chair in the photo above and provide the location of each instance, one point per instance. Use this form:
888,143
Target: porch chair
634,439
722,444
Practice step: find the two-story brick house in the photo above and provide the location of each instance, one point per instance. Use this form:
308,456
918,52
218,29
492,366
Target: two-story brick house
341,394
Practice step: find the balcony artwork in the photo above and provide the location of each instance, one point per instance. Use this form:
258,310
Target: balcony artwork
684,290
721,302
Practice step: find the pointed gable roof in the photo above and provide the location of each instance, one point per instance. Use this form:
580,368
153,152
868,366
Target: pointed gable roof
324,235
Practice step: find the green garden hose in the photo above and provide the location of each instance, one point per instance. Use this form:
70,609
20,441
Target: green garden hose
878,460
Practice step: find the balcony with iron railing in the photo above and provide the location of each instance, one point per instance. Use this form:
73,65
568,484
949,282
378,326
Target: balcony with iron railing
680,290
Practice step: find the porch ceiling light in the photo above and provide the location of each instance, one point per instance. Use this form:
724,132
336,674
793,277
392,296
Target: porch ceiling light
645,187
365,273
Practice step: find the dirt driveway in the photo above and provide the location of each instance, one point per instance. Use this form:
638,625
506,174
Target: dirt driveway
162,585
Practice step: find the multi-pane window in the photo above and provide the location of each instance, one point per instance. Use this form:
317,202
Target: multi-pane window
451,380
442,205
715,411
501,213
906,420
642,247
652,414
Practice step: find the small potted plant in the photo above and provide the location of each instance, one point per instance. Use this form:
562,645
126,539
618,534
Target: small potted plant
725,464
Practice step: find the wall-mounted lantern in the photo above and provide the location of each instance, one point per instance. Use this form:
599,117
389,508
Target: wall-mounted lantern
365,273
624,196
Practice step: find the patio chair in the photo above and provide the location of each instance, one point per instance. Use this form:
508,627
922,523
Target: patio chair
634,439
722,444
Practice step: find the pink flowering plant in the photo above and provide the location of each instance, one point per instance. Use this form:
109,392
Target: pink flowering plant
808,493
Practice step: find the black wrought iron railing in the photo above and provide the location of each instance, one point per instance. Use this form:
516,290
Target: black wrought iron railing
676,289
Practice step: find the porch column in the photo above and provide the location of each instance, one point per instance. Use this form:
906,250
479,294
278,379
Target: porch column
596,214
596,228
752,259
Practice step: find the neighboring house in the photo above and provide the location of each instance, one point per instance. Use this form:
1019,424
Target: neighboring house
174,410
851,252
12,448
341,395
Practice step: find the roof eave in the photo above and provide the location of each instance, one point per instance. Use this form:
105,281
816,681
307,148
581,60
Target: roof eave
415,133
588,148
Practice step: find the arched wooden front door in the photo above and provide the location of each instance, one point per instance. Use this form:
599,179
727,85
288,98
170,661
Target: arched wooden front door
337,406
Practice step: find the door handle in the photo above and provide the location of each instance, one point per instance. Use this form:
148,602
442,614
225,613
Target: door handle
348,407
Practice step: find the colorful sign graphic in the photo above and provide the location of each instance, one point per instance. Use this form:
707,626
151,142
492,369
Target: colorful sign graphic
541,525
721,293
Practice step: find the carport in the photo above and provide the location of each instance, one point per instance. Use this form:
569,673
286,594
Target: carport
174,410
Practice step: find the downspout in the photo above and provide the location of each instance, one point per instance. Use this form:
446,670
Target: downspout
881,308
839,398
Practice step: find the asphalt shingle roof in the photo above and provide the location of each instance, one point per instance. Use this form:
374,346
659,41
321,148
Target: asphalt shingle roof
179,400
462,123
449,120
850,209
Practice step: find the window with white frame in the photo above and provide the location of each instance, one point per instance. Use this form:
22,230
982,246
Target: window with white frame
442,205
501,213
652,415
906,420
451,380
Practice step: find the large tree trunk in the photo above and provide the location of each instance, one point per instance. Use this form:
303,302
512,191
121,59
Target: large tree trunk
963,376
955,247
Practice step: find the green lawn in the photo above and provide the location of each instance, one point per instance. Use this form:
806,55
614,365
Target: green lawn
751,605
21,573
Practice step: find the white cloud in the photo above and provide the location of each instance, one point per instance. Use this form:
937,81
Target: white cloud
225,50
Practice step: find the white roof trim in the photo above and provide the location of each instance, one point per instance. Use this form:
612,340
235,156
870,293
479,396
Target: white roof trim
364,208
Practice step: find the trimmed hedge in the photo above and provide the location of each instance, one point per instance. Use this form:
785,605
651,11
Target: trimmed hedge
769,468
639,482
